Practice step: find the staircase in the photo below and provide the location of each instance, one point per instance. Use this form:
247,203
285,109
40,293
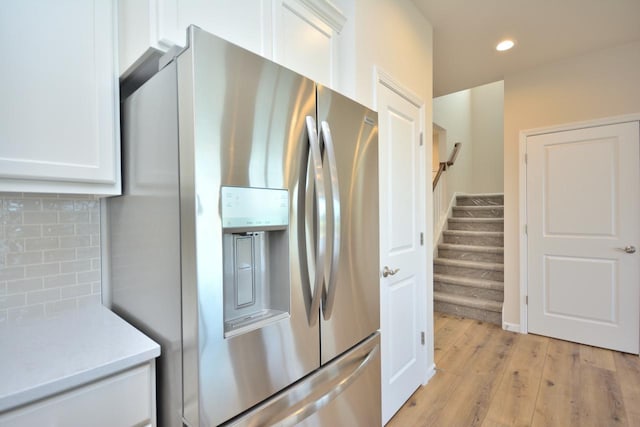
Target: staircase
469,270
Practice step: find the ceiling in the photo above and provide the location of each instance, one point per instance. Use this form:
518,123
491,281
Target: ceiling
465,33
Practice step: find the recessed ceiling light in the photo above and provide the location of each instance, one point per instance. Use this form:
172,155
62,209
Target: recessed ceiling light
505,45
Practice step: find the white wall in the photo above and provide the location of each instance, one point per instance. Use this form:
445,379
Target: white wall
392,35
487,134
475,118
453,113
595,85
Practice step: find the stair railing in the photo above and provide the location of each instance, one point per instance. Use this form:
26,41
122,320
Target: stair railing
444,165
440,205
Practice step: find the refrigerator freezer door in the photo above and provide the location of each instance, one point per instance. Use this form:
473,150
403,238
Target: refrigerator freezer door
343,393
242,124
354,313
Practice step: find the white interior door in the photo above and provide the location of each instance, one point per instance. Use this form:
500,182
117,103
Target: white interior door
402,294
583,198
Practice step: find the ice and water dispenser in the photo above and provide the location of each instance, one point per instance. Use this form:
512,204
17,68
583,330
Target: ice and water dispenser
256,282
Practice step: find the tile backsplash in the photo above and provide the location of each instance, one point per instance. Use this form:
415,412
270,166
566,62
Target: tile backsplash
49,254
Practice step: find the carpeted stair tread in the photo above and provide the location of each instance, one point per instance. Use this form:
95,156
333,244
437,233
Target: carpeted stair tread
490,266
473,233
471,248
468,281
471,302
477,220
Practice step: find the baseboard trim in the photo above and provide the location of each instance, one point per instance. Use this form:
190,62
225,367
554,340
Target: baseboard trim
431,371
511,327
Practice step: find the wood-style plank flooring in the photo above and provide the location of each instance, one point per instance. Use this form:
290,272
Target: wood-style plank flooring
489,377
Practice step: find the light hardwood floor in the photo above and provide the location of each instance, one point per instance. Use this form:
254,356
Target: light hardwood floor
489,377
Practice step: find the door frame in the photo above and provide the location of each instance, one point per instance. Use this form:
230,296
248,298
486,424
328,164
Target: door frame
522,209
425,316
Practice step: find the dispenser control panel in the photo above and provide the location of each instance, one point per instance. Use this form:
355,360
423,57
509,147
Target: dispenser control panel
245,208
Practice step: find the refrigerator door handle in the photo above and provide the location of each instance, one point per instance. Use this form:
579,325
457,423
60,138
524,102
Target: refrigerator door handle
321,206
292,406
329,297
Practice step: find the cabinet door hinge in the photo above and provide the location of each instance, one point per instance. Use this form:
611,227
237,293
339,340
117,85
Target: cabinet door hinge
422,337
526,230
421,239
421,140
526,158
526,299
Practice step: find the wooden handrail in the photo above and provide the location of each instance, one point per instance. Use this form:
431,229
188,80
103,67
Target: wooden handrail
444,165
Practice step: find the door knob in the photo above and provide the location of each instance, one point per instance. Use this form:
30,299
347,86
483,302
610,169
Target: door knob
629,249
386,271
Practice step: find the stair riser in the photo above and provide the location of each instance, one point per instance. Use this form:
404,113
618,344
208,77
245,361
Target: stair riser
471,256
474,240
469,291
470,313
478,213
469,272
480,201
476,226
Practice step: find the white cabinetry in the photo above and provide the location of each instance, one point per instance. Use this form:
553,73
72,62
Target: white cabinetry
299,34
59,97
124,399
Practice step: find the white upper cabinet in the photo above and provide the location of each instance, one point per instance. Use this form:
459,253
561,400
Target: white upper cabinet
59,97
299,34
305,38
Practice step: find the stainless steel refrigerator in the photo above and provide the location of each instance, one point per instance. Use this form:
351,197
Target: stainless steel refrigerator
246,241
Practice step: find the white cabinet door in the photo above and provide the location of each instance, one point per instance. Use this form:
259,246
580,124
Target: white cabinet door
161,24
583,205
59,97
299,34
305,38
124,399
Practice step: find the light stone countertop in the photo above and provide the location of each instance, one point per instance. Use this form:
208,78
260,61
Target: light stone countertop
41,358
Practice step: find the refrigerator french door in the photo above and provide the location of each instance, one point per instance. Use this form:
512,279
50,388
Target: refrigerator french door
245,241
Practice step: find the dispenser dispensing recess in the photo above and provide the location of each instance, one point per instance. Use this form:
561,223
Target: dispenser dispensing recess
255,224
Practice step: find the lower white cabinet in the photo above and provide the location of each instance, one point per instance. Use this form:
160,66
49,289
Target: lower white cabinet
59,97
124,399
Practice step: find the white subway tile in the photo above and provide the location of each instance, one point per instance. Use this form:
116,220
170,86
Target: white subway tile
41,243
96,264
89,300
89,276
87,228
58,230
23,204
90,252
59,255
95,240
96,288
58,205
41,270
3,288
86,205
20,231
75,266
12,245
43,296
75,241
11,273
24,258
10,301
3,318
73,217
60,280
76,291
24,285
40,217
10,218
